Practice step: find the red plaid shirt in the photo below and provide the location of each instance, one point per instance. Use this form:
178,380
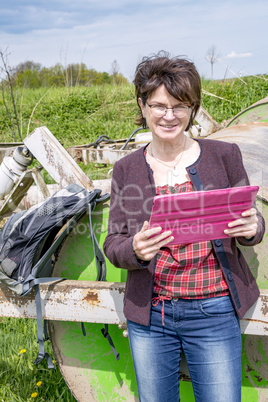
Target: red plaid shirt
188,270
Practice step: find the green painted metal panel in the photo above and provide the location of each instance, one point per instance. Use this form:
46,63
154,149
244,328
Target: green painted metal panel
258,112
255,348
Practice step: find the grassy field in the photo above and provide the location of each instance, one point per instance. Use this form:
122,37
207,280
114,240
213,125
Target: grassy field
79,116
20,379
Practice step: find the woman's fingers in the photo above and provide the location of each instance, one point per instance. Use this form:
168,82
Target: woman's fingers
246,226
147,242
144,226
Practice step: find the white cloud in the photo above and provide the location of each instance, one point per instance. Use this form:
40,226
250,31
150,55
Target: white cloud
234,55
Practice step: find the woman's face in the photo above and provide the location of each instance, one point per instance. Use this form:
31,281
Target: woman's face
168,127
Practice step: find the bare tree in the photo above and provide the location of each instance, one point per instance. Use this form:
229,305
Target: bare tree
7,87
212,56
115,71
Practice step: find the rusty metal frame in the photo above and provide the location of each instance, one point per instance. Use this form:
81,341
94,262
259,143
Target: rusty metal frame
70,300
100,302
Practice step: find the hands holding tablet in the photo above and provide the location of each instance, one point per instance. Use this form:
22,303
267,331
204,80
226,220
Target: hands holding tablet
148,242
246,226
206,215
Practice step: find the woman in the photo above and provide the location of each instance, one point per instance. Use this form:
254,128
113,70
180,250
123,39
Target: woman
185,296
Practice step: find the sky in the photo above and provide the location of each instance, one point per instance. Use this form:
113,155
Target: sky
98,32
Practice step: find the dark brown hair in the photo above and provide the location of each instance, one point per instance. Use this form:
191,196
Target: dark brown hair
179,75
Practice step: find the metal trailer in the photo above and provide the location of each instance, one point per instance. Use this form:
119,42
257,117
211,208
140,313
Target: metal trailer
87,363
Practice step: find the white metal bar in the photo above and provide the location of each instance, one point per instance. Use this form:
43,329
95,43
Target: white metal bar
69,300
55,159
207,122
255,321
101,302
17,193
104,155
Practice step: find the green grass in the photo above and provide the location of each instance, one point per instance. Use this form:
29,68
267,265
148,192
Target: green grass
80,115
20,379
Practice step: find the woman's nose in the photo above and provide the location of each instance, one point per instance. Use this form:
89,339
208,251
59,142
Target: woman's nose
169,115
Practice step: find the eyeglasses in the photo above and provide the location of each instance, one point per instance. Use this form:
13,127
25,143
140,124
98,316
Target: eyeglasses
160,111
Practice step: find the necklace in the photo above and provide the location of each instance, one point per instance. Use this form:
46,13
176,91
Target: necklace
175,170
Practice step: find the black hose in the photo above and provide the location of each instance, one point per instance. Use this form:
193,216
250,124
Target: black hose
100,139
129,138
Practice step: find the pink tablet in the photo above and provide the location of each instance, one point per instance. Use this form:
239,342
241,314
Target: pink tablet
200,215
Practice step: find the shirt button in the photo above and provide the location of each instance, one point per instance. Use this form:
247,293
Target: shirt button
193,171
218,243
230,276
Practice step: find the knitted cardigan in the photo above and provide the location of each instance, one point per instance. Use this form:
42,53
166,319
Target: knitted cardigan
218,166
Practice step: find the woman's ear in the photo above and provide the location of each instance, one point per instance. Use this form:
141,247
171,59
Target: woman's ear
190,122
142,107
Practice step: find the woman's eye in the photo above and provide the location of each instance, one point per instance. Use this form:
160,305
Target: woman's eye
180,109
161,108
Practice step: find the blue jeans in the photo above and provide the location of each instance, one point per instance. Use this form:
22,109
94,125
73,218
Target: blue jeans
208,331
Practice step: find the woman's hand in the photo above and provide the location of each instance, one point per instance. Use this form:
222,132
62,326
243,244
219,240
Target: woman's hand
246,226
145,246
